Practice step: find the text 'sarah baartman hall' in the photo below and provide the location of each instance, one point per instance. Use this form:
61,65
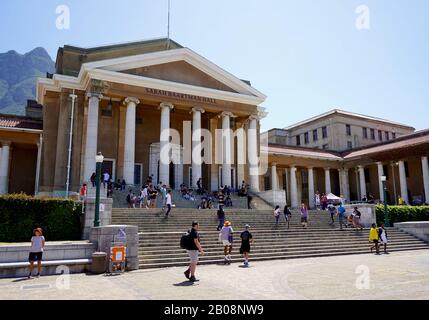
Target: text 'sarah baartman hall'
122,100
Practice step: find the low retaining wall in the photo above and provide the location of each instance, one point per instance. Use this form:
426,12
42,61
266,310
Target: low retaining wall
368,216
75,256
105,215
419,229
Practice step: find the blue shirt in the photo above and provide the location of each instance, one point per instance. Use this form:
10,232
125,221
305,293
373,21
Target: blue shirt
341,211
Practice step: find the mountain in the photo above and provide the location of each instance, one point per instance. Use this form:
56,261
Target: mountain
18,75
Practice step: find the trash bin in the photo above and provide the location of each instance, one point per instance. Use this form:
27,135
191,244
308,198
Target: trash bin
99,262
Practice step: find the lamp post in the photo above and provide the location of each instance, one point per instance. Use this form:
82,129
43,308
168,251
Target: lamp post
99,161
386,212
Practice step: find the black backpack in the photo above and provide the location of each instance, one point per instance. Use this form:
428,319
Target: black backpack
186,241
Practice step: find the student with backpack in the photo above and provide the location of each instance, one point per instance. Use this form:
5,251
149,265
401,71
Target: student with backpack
246,241
191,243
288,215
332,211
356,218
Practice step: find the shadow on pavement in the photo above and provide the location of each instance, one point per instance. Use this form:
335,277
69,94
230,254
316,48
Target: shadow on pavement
184,284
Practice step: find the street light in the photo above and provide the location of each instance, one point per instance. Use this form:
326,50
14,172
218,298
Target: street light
99,158
386,212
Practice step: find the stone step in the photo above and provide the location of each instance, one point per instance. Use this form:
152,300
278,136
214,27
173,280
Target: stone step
280,254
217,247
237,259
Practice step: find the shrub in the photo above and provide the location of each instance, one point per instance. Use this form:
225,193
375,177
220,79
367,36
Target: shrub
60,219
403,213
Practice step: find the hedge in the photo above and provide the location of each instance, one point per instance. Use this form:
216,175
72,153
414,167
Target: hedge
403,213
60,219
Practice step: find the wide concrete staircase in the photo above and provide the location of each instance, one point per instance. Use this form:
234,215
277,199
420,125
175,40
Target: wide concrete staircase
119,200
160,236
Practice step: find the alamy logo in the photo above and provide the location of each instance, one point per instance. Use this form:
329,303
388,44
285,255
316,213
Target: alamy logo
363,21
363,280
63,19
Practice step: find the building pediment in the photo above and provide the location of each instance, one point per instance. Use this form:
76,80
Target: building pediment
180,72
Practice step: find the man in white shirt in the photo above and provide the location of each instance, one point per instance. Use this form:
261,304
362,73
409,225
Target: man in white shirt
106,178
143,197
168,202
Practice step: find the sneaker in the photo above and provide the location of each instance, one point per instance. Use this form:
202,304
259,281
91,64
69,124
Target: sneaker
38,275
193,279
187,274
29,276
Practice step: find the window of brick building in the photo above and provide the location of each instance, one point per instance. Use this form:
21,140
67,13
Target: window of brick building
372,134
298,140
306,138
365,133
315,136
348,130
324,132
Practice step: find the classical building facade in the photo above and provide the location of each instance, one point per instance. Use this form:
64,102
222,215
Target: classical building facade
297,172
339,130
120,100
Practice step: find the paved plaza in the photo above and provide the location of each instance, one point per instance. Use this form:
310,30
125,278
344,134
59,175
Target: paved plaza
400,275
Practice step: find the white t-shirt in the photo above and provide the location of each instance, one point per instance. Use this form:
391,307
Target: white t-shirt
37,243
143,194
168,199
277,212
106,176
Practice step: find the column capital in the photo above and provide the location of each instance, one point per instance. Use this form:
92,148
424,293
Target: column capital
274,164
166,105
361,167
310,168
327,169
90,95
293,168
254,117
129,100
73,96
379,163
227,114
5,143
197,109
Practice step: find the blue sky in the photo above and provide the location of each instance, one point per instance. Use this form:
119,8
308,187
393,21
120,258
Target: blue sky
307,56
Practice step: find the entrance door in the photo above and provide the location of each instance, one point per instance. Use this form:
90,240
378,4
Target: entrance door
138,168
172,176
108,165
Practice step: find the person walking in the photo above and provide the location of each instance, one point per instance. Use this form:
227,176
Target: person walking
129,199
356,218
152,196
106,178
382,235
277,215
373,237
249,201
332,211
221,198
246,241
193,250
168,202
143,197
304,216
288,215
317,200
92,179
36,251
226,236
341,213
220,217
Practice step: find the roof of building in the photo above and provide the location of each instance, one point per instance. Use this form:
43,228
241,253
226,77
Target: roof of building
20,122
405,141
350,114
277,149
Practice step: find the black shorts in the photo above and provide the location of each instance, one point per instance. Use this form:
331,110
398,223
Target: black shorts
244,248
35,256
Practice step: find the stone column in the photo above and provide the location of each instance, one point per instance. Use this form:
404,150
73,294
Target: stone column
196,146
327,181
130,139
362,182
425,171
4,168
39,159
380,184
293,188
252,144
91,136
346,184
311,193
274,179
226,148
341,178
403,182
164,162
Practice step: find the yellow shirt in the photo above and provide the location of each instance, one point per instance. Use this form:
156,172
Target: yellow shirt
373,234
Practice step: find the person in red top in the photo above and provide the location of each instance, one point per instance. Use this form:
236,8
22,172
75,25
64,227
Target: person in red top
83,191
